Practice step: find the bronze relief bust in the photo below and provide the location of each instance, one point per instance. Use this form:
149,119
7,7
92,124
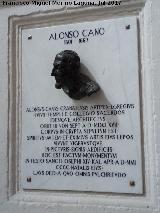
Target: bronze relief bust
66,70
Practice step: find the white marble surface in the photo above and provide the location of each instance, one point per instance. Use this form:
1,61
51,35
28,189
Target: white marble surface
111,59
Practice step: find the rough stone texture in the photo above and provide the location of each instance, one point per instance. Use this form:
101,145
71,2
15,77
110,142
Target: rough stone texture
86,203
156,91
3,108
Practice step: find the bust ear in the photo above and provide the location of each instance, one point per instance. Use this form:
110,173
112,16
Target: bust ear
77,67
70,61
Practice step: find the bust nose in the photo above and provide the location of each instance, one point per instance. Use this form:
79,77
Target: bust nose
53,72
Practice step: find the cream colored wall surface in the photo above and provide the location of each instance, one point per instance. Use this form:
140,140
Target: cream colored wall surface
12,197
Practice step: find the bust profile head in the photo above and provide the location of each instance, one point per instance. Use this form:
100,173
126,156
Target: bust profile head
66,65
66,70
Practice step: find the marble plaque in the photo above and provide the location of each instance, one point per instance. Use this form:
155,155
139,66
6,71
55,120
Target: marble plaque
93,144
